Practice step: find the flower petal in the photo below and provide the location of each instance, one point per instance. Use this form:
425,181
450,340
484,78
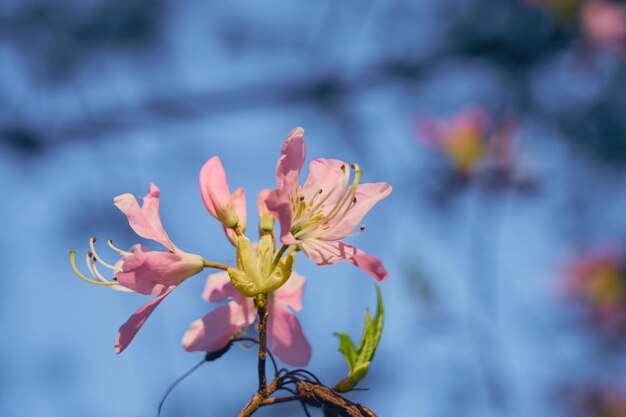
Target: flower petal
213,331
129,329
367,195
285,337
145,220
327,253
291,160
279,205
291,292
328,176
219,288
215,192
151,272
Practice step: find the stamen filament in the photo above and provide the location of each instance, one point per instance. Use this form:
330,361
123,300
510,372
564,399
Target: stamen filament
332,190
348,197
81,276
116,249
97,273
95,255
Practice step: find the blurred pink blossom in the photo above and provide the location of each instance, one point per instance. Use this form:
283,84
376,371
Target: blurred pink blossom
597,280
604,24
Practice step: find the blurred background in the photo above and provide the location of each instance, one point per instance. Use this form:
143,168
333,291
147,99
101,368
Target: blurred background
500,123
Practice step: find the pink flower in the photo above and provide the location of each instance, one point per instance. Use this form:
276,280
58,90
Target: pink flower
604,23
598,281
462,139
326,209
141,269
229,209
284,333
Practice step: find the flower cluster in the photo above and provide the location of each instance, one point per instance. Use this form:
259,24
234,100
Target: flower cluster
314,218
474,144
597,281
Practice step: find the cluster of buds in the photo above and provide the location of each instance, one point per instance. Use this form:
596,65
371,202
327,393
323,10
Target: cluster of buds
314,218
597,281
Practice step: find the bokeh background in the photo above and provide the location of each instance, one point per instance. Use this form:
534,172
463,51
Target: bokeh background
483,317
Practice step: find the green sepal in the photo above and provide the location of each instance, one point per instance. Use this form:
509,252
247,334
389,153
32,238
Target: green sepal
255,273
359,358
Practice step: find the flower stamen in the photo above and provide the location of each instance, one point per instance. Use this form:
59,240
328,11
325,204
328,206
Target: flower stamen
95,255
116,249
81,276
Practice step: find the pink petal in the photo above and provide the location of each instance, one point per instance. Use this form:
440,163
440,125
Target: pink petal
367,195
145,220
260,202
238,201
285,337
279,205
129,329
291,292
151,272
213,331
219,288
328,176
214,187
473,119
327,253
291,160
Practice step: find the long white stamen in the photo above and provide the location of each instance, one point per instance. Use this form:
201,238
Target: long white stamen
95,255
81,276
116,249
90,261
98,275
114,285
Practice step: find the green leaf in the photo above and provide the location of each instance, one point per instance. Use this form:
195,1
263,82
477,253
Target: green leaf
359,359
347,348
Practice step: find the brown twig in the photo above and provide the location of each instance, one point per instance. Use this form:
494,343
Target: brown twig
313,394
261,306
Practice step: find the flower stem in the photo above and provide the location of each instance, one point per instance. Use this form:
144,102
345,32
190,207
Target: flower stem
209,264
260,303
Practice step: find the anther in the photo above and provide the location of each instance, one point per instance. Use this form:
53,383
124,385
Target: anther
343,167
362,227
354,200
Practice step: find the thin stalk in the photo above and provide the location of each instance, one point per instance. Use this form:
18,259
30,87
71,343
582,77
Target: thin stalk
261,307
209,264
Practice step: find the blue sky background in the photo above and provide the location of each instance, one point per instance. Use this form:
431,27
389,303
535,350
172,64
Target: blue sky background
99,98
